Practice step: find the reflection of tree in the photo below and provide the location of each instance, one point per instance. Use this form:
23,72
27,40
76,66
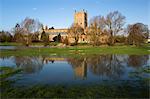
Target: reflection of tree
137,60
80,66
5,57
106,65
29,64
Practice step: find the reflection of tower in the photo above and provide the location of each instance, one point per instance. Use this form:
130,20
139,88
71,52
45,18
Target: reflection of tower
80,18
81,71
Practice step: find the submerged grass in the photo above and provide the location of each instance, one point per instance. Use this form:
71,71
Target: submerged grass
7,72
142,73
107,89
125,90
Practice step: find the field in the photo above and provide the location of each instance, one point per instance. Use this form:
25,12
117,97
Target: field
75,50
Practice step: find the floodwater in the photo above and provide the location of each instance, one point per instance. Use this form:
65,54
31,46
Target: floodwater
82,70
7,47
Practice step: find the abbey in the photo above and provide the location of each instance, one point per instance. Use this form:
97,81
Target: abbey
81,19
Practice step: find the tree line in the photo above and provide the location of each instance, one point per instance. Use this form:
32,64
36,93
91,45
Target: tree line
112,26
25,32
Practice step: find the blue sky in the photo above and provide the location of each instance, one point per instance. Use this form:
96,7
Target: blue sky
59,13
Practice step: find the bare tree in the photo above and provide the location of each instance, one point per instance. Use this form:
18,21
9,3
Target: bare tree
114,23
26,29
37,26
75,31
31,26
18,34
94,34
137,33
96,29
98,21
35,37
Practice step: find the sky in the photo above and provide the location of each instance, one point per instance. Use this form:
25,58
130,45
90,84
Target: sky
59,13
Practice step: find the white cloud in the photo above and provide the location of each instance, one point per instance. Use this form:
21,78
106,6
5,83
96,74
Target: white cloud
34,9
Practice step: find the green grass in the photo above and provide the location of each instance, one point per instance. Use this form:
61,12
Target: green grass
105,90
18,44
7,72
10,44
78,51
140,73
32,44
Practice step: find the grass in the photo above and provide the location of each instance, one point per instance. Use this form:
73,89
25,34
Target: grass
18,44
140,73
105,90
32,44
10,44
7,72
77,51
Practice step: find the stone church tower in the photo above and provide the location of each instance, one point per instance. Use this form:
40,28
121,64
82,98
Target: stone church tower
80,18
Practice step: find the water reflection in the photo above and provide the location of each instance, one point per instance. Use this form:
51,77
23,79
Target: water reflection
107,65
87,68
7,47
46,60
137,60
79,66
29,64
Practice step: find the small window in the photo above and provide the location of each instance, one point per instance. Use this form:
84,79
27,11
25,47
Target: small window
83,39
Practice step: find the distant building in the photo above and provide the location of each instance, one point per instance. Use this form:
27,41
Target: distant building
81,19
